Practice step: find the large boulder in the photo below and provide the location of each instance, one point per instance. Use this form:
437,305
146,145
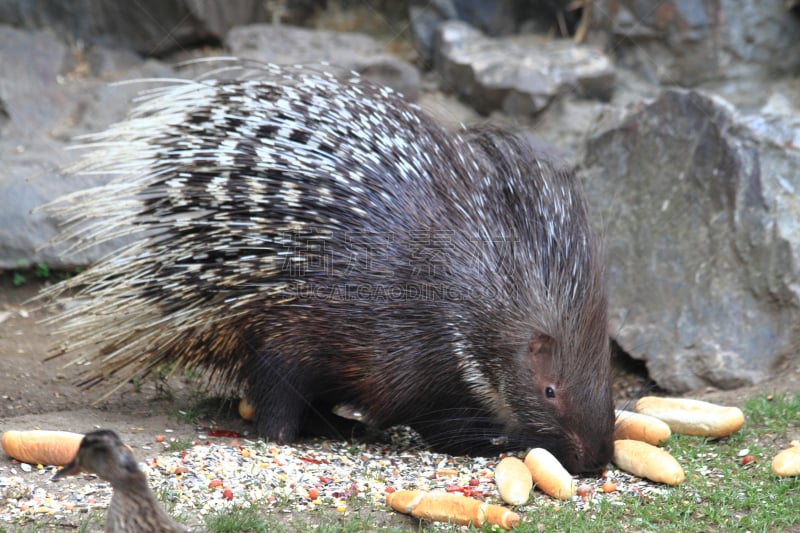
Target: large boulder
699,207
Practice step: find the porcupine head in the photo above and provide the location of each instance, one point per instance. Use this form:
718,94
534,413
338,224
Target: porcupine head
323,244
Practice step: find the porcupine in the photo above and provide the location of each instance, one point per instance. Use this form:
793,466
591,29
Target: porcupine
324,243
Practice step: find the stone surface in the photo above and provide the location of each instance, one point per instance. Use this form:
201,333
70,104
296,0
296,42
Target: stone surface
492,17
686,42
699,207
51,93
357,52
519,75
35,109
48,95
151,27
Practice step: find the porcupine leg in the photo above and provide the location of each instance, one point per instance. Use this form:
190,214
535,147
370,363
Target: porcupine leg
283,393
280,391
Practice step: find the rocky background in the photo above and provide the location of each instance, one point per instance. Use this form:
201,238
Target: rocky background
682,118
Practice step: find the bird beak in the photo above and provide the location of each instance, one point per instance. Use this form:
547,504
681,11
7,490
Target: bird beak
69,470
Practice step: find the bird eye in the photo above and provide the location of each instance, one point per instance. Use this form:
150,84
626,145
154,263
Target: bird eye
550,392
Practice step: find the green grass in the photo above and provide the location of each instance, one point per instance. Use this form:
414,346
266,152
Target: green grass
719,494
202,409
178,445
92,521
199,406
240,518
252,519
772,416
26,272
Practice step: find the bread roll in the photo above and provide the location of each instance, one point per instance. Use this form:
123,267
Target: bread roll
41,446
693,417
246,410
637,426
787,462
513,480
448,507
403,501
451,508
647,461
549,475
496,515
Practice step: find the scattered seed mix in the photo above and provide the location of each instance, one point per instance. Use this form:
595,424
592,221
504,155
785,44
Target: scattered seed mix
221,470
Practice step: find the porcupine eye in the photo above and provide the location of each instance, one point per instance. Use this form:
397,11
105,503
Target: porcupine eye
549,392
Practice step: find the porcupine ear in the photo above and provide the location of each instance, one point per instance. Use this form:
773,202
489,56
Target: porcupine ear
540,346
540,356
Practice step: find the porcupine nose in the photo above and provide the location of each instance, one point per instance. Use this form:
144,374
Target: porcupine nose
588,458
601,456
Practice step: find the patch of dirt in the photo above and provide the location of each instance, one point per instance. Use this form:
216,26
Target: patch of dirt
40,394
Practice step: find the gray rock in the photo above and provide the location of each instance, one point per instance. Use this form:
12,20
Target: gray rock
356,52
493,17
699,207
151,27
520,75
33,106
50,94
46,99
686,42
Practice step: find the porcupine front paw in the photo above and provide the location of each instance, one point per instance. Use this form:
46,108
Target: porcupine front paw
325,420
